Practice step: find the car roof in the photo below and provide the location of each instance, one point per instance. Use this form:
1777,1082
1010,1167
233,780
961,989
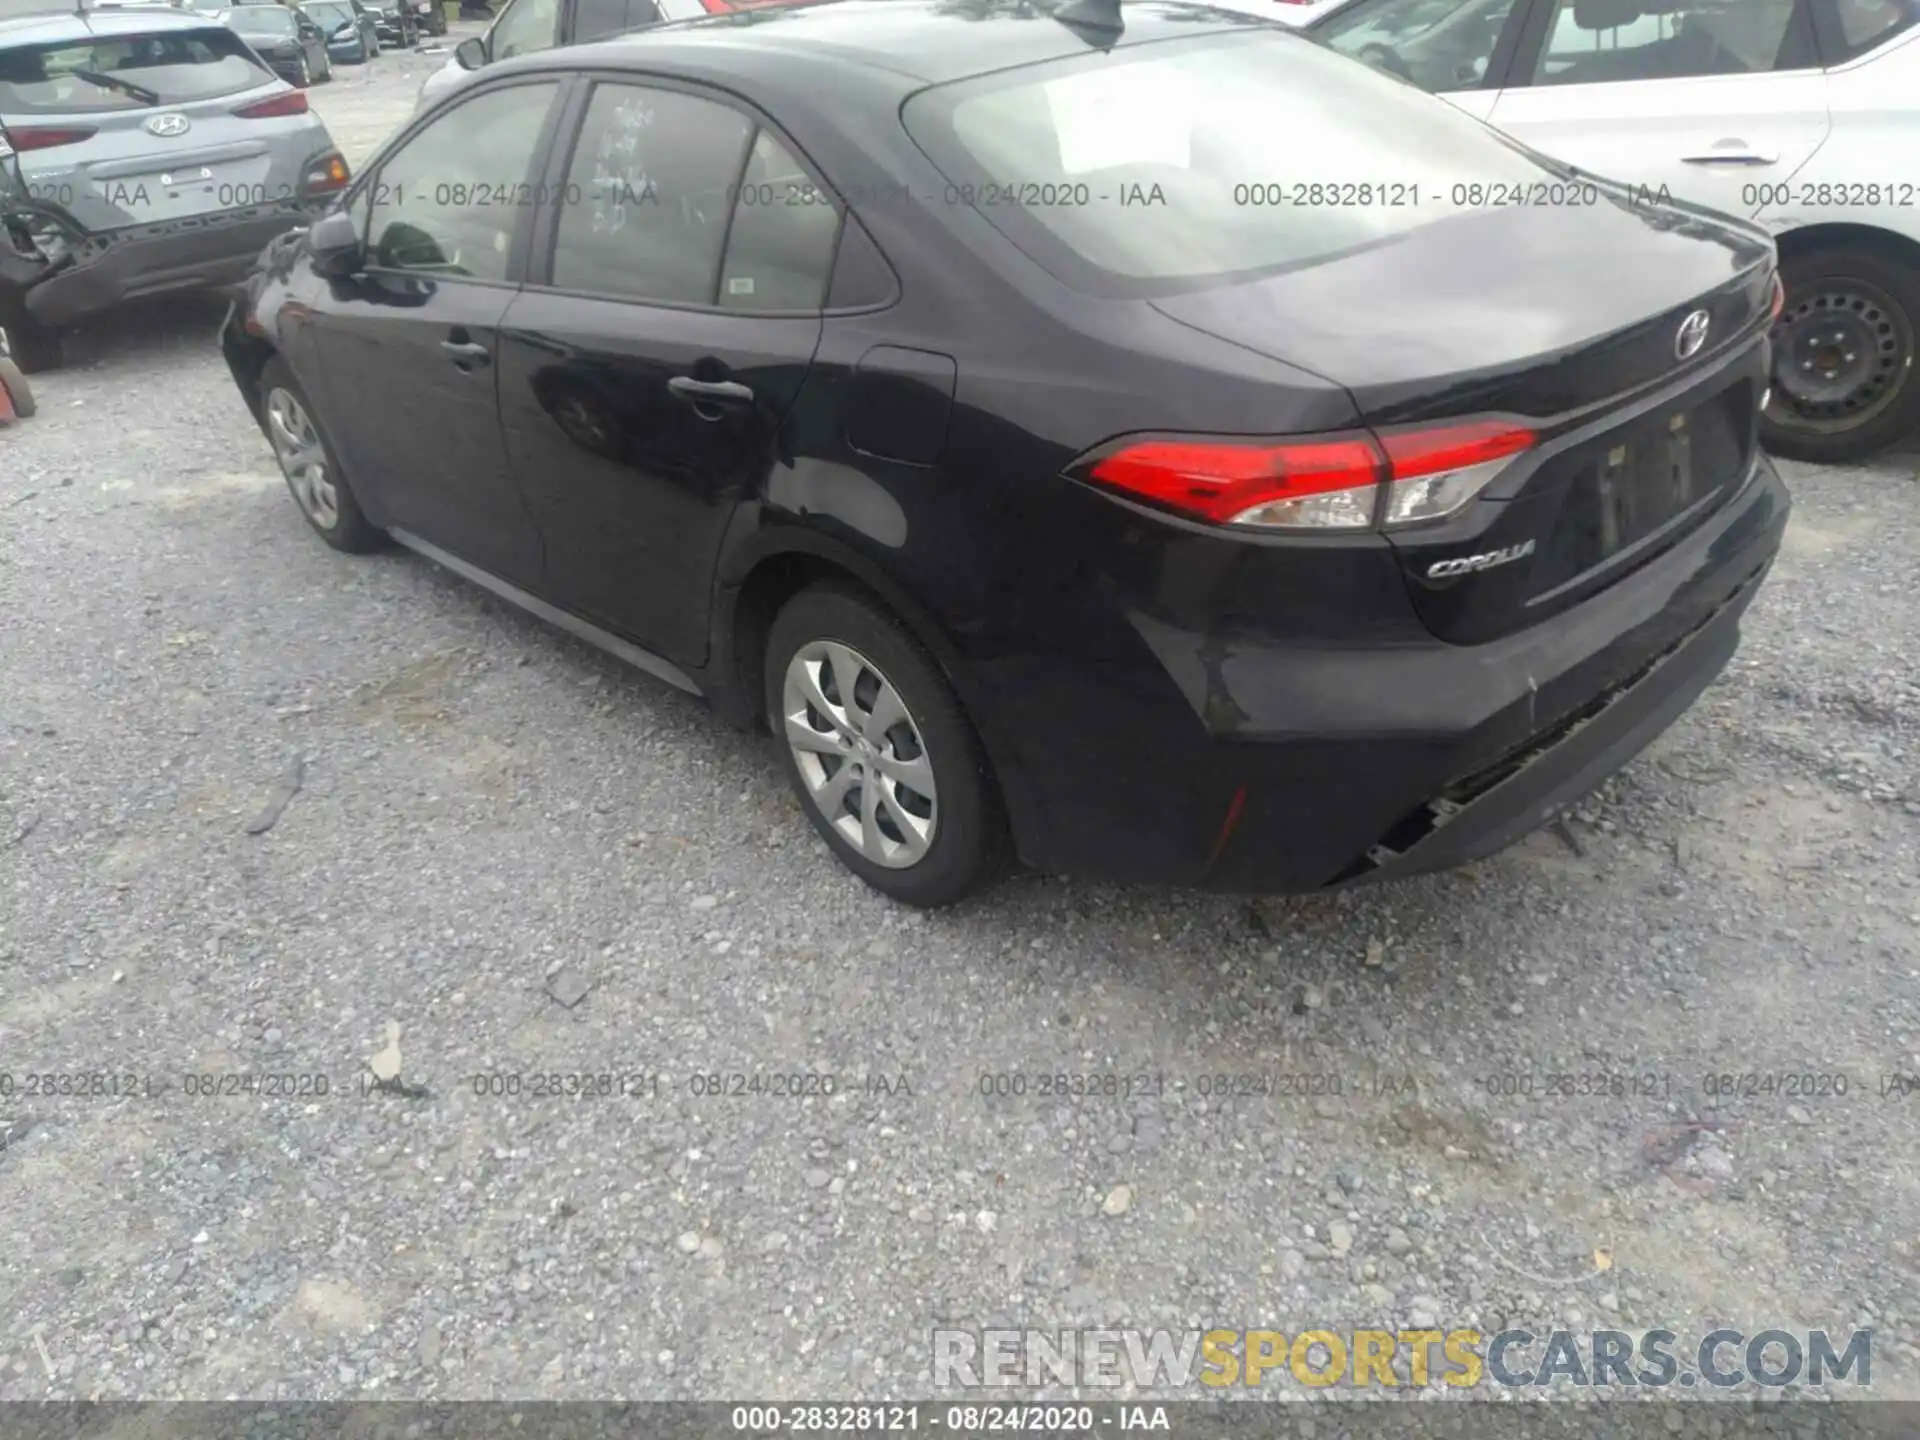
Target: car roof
66,25
901,43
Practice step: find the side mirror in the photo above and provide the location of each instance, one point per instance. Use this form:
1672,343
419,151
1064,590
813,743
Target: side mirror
471,53
334,244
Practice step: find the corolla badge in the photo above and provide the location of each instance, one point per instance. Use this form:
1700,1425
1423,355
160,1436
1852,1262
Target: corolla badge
1469,564
1693,334
174,124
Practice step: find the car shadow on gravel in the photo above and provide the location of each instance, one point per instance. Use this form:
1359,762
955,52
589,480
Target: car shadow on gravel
139,334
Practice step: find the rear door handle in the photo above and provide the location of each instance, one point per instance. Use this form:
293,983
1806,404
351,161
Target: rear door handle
700,393
466,352
1732,155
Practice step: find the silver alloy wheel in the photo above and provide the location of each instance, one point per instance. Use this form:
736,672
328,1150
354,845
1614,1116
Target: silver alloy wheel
860,752
296,445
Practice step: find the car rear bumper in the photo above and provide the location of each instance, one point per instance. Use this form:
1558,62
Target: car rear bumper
1258,764
193,253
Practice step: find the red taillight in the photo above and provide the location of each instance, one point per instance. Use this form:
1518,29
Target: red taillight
45,137
1324,482
292,102
1779,295
1225,481
1415,453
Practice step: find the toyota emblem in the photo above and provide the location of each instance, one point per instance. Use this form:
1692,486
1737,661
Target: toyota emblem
1693,334
169,125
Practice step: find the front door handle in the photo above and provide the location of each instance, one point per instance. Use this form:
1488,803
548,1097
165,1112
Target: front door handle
467,354
705,394
1733,155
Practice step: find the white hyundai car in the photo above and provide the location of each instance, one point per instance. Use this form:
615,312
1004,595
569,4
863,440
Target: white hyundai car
1803,115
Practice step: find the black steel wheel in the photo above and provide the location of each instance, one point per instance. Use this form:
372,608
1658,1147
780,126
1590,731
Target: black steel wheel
1845,384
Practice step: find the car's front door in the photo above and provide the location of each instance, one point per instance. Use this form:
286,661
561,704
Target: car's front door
407,347
1707,100
647,369
1458,49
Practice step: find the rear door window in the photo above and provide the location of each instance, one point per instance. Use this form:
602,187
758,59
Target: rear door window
1591,41
126,72
1439,45
597,19
649,191
679,200
1189,162
780,245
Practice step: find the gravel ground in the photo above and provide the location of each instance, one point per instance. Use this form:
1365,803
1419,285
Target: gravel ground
506,855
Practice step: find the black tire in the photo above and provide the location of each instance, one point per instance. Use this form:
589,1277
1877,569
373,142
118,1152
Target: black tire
350,530
969,845
18,390
304,76
1874,299
34,347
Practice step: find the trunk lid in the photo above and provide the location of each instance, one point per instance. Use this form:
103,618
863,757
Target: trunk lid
1569,317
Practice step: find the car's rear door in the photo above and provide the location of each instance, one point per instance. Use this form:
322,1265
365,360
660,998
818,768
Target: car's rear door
646,371
408,347
1461,50
1708,100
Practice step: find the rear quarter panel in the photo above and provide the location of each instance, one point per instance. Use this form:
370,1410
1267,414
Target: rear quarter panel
1875,140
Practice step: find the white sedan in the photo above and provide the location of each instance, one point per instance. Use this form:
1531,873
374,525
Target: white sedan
1803,115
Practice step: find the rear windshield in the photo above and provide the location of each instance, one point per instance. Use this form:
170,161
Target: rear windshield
1173,164
125,72
262,20
330,14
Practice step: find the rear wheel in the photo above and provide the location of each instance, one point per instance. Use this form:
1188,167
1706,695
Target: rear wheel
302,74
876,745
307,460
1845,382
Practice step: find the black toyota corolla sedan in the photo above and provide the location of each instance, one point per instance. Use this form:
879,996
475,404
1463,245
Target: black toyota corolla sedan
1146,443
